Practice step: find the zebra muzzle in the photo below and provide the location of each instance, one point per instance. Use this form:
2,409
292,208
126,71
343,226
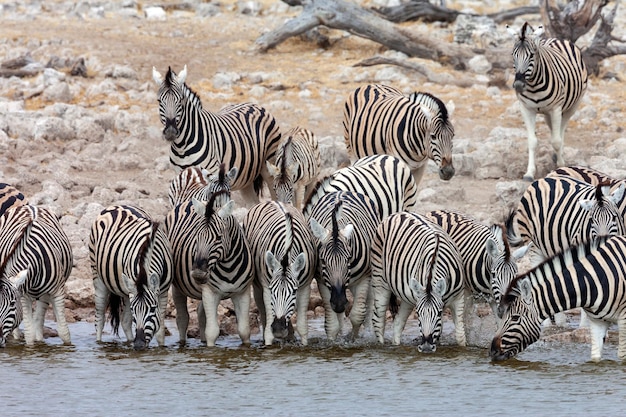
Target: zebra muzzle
170,132
141,341
338,299
520,83
447,171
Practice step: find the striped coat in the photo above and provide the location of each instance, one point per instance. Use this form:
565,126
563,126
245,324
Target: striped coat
198,183
9,197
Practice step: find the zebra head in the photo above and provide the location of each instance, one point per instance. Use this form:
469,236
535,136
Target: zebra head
220,181
606,218
520,323
285,173
503,262
334,252
211,244
170,97
524,50
10,304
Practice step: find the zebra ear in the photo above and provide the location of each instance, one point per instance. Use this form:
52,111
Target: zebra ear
292,170
198,206
440,287
525,289
227,209
182,76
617,195
520,252
271,262
298,264
539,31
232,174
511,31
153,282
586,205
130,285
20,279
416,286
492,248
527,31
319,231
272,169
156,76
347,231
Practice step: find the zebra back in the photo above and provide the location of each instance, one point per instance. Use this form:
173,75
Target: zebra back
382,120
9,197
298,164
589,275
383,178
243,136
198,183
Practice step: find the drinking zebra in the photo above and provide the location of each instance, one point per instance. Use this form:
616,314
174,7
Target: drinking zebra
380,119
131,262
551,79
590,276
211,261
415,260
383,178
284,260
198,183
489,264
37,261
9,197
297,166
243,136
343,225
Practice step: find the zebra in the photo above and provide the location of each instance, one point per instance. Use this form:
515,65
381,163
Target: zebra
131,262
343,225
199,183
379,119
589,275
489,264
9,197
297,165
416,261
551,79
384,178
284,260
243,136
211,261
37,260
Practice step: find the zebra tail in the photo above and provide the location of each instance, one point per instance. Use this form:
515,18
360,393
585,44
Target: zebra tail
394,305
258,185
511,234
115,310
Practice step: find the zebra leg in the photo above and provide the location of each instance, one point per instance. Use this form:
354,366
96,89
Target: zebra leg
268,335
201,321
379,312
101,299
529,117
331,321
241,302
621,348
127,320
160,334
58,306
210,301
182,314
359,305
302,305
556,137
27,309
418,173
597,330
400,321
457,308
41,307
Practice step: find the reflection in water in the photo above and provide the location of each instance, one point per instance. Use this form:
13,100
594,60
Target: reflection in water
322,379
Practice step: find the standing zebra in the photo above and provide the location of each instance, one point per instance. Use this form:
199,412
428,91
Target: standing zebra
488,262
131,262
381,120
383,178
551,79
590,276
243,136
343,224
415,260
211,261
284,260
9,197
297,166
37,261
200,184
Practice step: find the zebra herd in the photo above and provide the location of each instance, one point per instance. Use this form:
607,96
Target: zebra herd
357,233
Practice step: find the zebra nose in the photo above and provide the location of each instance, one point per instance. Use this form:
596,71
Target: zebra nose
170,132
447,171
338,299
280,328
427,345
520,83
496,349
140,340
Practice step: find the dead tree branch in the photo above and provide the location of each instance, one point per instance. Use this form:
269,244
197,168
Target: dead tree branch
572,20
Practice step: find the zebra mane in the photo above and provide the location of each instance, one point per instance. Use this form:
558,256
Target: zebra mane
320,184
522,37
335,221
499,232
210,205
169,82
431,267
144,250
600,194
288,241
509,225
283,161
431,101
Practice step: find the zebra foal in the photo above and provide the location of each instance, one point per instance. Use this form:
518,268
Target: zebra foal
379,119
415,260
590,276
284,264
550,79
343,225
242,136
131,262
36,262
297,165
211,261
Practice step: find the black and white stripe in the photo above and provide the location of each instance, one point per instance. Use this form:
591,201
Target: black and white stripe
284,259
414,260
590,276
37,259
9,197
550,79
211,262
297,166
132,269
380,119
243,136
343,225
198,183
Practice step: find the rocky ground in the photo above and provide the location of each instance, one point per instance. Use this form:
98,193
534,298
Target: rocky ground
78,143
